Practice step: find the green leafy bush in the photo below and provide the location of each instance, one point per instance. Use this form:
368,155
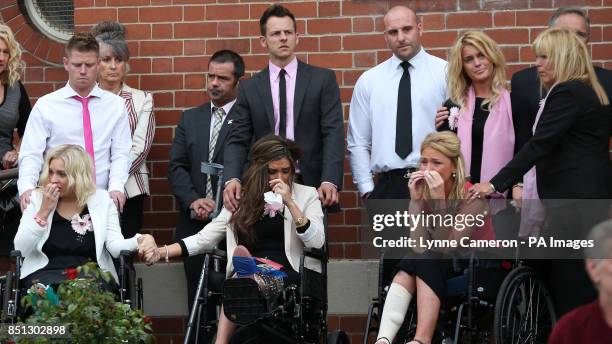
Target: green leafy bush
91,313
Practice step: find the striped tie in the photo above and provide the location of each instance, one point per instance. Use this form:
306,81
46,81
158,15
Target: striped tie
218,113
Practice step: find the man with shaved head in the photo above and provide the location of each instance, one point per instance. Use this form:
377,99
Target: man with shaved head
393,109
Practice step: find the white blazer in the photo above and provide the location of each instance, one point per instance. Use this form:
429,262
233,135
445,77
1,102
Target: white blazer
139,105
306,198
31,237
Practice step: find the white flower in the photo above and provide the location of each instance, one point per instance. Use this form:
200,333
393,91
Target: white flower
274,203
81,225
453,118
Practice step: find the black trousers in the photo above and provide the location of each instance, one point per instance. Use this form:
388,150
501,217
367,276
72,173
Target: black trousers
392,185
131,218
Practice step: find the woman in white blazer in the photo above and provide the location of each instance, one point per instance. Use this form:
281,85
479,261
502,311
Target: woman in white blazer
112,71
278,232
69,223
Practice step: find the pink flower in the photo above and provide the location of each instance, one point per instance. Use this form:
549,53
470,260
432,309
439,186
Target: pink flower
81,225
274,203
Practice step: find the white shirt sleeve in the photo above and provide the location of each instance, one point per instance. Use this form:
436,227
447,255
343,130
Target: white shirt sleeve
359,140
121,144
33,145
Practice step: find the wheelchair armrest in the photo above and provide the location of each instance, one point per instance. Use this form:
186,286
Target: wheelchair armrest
216,253
15,253
125,253
316,253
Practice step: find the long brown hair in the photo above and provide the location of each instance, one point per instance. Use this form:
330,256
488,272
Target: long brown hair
255,182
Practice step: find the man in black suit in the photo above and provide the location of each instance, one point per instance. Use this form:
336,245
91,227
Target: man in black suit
291,99
199,130
526,89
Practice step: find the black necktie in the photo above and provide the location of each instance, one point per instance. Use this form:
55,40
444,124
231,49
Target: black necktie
282,91
403,123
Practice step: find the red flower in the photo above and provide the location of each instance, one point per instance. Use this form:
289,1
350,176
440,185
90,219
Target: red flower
147,320
71,273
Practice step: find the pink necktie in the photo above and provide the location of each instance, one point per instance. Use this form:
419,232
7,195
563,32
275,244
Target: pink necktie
87,133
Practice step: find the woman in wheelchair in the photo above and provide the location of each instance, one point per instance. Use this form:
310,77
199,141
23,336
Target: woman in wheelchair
277,230
69,223
438,187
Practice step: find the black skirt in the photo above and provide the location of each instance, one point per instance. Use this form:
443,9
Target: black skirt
433,268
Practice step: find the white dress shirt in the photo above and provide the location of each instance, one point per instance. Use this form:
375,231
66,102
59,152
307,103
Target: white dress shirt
373,112
57,119
226,108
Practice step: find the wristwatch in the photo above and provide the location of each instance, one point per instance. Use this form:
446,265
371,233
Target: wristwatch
300,221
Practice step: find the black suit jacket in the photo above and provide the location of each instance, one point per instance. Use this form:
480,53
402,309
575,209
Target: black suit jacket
318,124
189,150
569,147
526,95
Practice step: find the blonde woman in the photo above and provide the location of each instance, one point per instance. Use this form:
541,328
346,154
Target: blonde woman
438,186
567,157
14,102
480,105
69,223
112,71
14,112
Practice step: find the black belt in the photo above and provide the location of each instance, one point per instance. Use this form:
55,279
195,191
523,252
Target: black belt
398,172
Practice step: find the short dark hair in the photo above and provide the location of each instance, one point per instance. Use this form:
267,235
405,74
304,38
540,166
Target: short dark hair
223,56
275,10
570,10
82,42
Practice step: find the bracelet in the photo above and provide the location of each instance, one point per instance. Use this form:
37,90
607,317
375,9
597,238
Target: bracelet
41,222
517,185
492,187
167,254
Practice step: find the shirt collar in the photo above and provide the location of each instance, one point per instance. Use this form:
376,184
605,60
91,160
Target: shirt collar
291,69
227,107
416,61
69,92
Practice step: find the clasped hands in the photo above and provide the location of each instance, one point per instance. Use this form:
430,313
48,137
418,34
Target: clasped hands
147,249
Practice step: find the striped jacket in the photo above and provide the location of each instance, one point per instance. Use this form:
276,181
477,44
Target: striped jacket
139,107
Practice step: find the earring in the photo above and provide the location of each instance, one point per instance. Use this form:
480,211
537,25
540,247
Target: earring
454,175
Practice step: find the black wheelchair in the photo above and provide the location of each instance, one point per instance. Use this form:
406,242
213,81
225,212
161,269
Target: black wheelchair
130,287
490,301
273,314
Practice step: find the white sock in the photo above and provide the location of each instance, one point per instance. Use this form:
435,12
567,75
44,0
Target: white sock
394,311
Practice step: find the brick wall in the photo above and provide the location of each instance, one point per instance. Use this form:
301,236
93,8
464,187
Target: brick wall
171,40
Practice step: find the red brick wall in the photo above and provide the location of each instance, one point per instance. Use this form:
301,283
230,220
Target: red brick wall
171,40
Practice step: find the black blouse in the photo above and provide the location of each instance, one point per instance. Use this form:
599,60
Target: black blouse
66,248
478,124
14,112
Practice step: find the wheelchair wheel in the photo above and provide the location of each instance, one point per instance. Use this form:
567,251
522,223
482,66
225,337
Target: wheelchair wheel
524,310
337,337
7,295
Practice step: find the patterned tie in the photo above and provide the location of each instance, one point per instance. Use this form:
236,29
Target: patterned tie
218,113
87,132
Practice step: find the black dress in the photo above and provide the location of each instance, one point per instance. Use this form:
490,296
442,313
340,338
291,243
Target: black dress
269,243
65,249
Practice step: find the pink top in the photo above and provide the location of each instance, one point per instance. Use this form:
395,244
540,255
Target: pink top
290,77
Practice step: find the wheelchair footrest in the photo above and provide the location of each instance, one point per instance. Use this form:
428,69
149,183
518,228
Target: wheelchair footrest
243,302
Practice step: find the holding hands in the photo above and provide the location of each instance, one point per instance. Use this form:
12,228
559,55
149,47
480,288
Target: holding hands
147,249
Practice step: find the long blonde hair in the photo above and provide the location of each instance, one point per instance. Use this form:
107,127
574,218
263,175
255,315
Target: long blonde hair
78,167
447,143
569,58
12,73
458,81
